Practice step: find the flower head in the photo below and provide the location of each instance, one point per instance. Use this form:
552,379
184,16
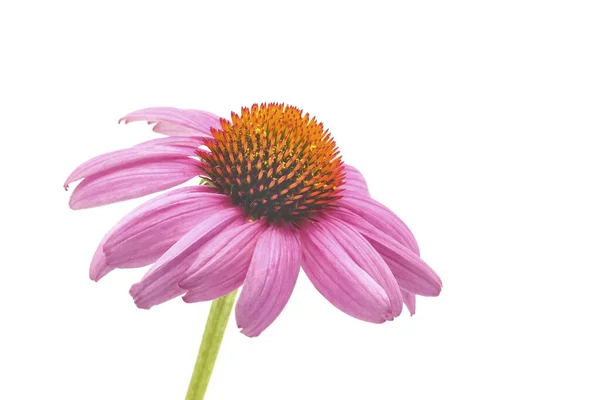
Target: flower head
276,196
275,162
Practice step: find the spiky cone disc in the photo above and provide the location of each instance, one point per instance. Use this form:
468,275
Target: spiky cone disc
276,162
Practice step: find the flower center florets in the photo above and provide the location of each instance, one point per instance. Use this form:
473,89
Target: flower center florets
275,162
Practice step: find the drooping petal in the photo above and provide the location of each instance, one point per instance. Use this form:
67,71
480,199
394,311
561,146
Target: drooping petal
176,122
123,158
366,257
170,129
138,242
270,280
143,235
98,266
412,273
133,180
337,277
161,282
354,181
188,143
410,301
222,263
170,215
379,216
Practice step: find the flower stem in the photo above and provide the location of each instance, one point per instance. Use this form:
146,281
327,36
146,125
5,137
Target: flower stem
220,310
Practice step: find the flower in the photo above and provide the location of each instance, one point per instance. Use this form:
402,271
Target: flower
275,196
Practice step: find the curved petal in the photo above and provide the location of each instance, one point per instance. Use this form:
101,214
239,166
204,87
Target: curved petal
225,278
133,180
222,263
366,257
337,277
98,266
410,301
189,143
354,181
379,216
160,282
176,122
171,129
412,273
270,280
156,223
143,235
123,158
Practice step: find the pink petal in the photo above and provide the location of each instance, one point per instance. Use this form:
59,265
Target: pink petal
177,122
187,143
98,266
379,216
157,218
354,181
135,219
222,263
133,180
410,301
142,236
123,158
339,279
160,282
170,129
367,258
270,280
412,273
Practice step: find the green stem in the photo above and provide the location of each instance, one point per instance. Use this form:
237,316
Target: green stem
209,348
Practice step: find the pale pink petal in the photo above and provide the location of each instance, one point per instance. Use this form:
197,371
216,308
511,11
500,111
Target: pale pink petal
123,158
337,277
222,263
138,242
133,180
188,143
270,280
412,273
143,235
177,122
225,281
226,271
170,129
148,219
98,266
379,216
354,181
366,257
410,301
160,282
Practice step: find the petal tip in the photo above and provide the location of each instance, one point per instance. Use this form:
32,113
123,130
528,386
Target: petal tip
96,275
249,333
186,299
134,292
74,204
99,267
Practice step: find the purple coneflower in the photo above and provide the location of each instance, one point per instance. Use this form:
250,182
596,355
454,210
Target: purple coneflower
275,196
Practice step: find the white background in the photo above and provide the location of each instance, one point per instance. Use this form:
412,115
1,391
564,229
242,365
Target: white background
475,121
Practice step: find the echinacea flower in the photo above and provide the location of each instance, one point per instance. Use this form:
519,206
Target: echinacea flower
275,197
